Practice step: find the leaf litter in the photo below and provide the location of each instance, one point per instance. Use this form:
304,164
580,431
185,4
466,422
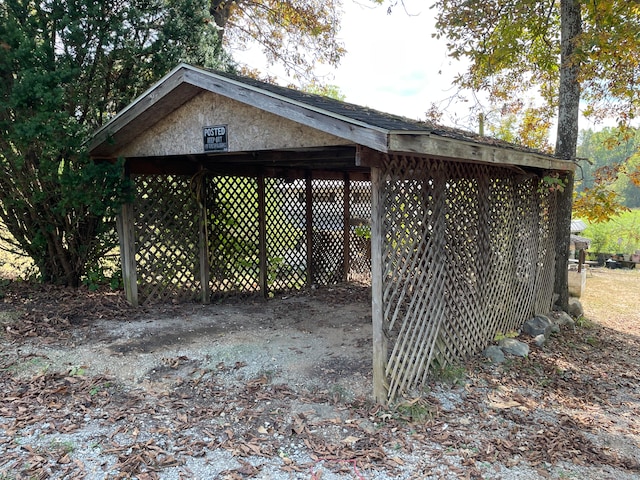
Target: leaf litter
571,408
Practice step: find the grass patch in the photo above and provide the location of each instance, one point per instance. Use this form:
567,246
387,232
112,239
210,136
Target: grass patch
619,235
611,297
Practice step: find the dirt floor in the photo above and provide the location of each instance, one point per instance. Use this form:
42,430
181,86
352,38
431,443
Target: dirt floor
280,389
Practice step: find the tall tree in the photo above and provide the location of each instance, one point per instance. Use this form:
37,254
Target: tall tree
66,67
569,51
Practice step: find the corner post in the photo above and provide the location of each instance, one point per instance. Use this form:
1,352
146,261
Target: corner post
205,292
380,346
126,232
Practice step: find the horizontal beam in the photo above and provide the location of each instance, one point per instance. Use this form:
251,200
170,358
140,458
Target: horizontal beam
461,150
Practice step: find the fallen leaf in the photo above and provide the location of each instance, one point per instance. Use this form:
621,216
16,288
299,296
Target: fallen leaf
350,439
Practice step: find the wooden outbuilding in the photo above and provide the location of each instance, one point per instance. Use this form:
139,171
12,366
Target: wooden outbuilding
243,187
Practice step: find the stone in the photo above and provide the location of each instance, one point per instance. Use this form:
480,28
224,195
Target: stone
494,353
575,308
562,319
514,347
540,340
538,325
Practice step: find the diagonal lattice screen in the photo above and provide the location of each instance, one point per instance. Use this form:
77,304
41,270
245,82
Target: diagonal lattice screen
177,215
167,243
286,233
232,233
466,254
360,232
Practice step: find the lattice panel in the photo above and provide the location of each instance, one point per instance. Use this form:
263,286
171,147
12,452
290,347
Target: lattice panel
360,232
166,224
286,233
328,236
466,255
233,234
548,220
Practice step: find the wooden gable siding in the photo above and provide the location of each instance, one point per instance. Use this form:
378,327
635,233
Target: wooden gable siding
249,129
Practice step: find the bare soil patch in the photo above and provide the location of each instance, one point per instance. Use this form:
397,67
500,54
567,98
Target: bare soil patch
249,388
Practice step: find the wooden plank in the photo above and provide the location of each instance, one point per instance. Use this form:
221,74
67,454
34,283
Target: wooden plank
309,225
126,230
203,241
380,347
146,111
367,157
322,120
262,237
346,227
458,150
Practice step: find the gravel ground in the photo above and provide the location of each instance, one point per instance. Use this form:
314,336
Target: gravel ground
281,390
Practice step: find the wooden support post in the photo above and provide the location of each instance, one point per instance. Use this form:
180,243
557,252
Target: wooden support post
262,237
346,226
380,348
126,233
309,225
203,241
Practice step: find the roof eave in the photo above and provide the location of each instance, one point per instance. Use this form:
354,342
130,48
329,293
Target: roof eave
202,80
423,143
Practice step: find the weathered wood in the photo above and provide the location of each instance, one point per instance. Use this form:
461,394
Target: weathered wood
203,237
456,150
367,157
346,229
126,233
262,238
308,214
380,347
467,253
154,105
333,124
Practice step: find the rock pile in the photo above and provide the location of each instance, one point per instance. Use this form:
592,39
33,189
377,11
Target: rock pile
540,328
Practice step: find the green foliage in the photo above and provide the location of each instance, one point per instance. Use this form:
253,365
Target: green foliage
501,336
618,235
606,185
415,411
514,47
77,371
363,231
331,91
584,322
65,68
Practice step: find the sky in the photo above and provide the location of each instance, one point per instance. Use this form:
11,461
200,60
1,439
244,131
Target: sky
392,62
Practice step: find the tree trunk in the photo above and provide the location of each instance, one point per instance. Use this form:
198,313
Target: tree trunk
567,139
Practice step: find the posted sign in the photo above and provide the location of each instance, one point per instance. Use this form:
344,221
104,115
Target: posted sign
215,138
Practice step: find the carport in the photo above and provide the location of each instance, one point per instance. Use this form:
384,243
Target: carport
243,187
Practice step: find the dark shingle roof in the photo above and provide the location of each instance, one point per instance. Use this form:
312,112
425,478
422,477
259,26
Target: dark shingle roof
371,116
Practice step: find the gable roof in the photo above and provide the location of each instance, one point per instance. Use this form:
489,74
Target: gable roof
364,126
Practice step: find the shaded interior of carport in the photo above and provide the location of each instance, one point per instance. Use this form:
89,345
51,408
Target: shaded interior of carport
455,233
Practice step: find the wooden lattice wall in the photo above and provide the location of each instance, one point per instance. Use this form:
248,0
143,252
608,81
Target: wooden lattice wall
465,251
209,235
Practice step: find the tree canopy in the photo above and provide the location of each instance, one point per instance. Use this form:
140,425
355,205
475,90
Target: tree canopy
606,185
65,67
570,52
514,48
296,34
